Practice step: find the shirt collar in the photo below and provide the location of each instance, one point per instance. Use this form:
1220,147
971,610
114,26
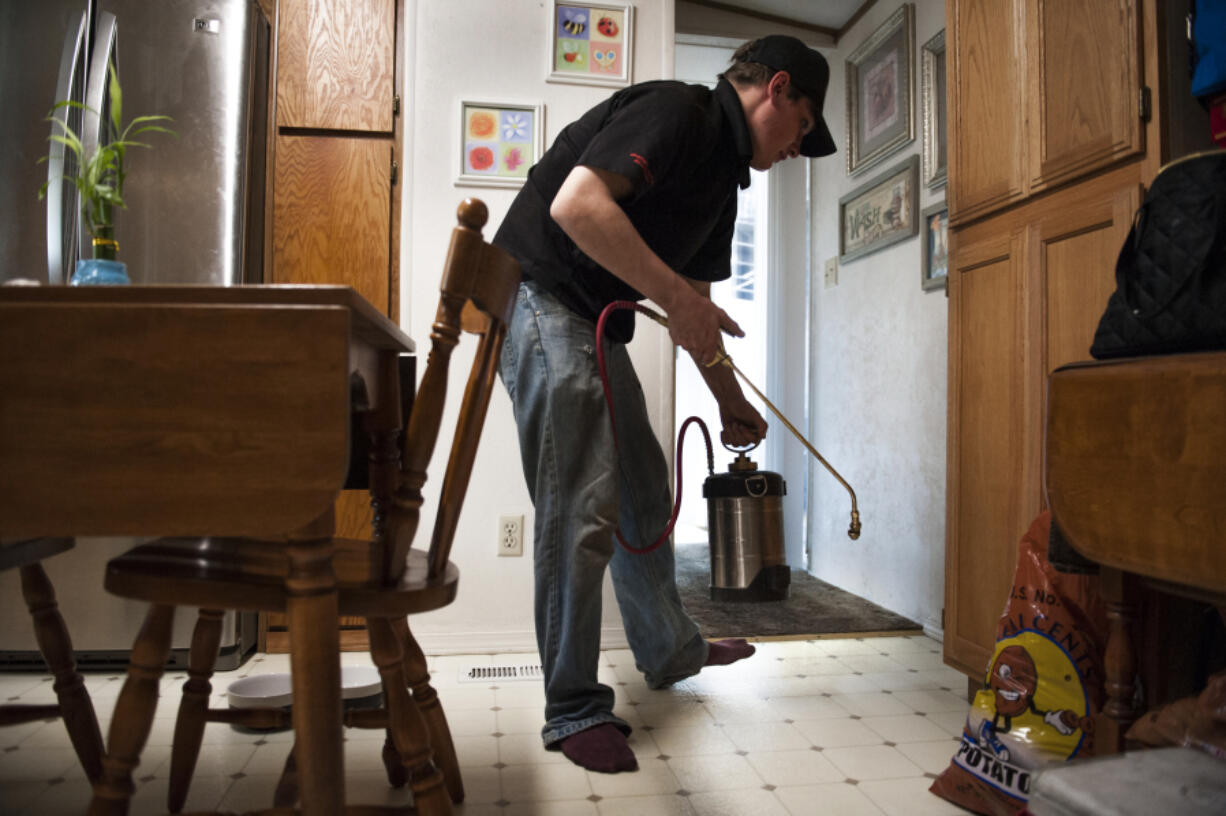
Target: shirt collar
734,114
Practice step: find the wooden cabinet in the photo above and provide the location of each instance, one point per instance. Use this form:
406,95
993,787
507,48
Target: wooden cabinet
986,423
1027,288
335,217
1041,93
336,66
1085,96
1049,149
331,210
335,202
987,126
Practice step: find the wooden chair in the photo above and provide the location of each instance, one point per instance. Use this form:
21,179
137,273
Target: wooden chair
383,579
74,707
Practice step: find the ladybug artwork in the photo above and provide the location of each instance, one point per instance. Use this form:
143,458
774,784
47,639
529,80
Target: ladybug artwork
607,26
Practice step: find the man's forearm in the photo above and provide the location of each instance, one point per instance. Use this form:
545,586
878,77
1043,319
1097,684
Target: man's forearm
721,380
586,209
588,212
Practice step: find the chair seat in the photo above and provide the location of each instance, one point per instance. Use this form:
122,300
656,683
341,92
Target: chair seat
22,551
249,575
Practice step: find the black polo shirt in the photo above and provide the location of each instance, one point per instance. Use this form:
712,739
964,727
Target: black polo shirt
685,149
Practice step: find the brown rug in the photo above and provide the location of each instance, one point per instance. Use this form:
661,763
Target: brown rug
813,607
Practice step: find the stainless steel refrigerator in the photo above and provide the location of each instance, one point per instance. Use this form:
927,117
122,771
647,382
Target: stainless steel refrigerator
194,215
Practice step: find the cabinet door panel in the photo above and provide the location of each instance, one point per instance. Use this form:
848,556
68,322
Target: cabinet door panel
1086,82
331,201
1078,240
335,64
987,406
986,114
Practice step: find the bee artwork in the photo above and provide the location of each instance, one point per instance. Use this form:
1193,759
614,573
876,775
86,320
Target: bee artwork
591,44
575,22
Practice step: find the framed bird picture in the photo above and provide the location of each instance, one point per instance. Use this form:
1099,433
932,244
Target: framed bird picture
590,43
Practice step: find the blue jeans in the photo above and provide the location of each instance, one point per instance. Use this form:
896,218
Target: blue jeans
583,489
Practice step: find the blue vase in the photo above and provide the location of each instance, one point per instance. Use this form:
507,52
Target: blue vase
99,272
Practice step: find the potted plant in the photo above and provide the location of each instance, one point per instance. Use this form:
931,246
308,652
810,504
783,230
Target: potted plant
99,178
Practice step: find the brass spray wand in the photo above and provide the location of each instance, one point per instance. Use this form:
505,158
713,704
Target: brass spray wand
853,530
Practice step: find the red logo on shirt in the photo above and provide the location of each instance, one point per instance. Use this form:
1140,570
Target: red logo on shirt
642,163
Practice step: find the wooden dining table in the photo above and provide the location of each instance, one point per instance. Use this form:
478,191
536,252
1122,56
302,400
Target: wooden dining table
1135,475
201,411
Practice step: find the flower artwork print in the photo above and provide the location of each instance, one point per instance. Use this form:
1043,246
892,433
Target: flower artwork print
880,96
590,40
498,141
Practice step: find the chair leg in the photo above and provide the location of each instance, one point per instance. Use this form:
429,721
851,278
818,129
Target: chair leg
193,706
431,709
408,728
397,776
76,708
134,712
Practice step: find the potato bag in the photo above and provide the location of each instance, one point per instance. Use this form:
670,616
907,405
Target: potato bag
1041,689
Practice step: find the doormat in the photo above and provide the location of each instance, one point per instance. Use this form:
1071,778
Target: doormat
813,607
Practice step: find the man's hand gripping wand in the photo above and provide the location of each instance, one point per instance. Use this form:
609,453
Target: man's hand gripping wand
723,358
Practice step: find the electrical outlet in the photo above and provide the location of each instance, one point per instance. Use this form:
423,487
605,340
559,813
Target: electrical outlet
832,272
510,535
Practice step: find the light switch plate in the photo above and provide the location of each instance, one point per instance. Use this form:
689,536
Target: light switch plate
832,272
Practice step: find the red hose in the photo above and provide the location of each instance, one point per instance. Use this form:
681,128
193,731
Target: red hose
608,397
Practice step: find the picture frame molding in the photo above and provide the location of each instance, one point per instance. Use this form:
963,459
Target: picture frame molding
859,158
935,152
928,283
910,166
552,74
467,179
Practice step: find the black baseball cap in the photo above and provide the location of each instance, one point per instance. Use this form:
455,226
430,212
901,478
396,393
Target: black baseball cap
810,74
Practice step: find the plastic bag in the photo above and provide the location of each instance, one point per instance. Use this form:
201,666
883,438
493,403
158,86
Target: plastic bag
1041,690
1196,722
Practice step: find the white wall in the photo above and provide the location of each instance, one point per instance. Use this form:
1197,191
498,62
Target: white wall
879,382
494,50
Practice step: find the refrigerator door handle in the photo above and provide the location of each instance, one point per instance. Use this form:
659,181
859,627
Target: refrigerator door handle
63,217
96,121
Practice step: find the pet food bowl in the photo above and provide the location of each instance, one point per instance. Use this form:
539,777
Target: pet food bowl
261,691
361,687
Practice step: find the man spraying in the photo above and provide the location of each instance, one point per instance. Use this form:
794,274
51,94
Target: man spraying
636,199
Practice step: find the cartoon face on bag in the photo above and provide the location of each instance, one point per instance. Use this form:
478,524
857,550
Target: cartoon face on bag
1013,681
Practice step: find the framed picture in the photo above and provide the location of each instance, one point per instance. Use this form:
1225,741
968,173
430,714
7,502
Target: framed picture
498,142
934,266
591,43
879,92
932,96
881,212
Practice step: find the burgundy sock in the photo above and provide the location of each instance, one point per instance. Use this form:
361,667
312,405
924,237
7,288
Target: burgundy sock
601,748
728,651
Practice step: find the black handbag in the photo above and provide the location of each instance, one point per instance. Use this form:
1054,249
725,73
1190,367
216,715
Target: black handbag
1170,276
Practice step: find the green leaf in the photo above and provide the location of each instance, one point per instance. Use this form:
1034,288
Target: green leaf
68,103
116,94
153,129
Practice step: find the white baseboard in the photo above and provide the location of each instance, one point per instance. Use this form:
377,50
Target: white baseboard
451,643
933,629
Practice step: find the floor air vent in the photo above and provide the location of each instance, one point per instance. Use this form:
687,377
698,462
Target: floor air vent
501,674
